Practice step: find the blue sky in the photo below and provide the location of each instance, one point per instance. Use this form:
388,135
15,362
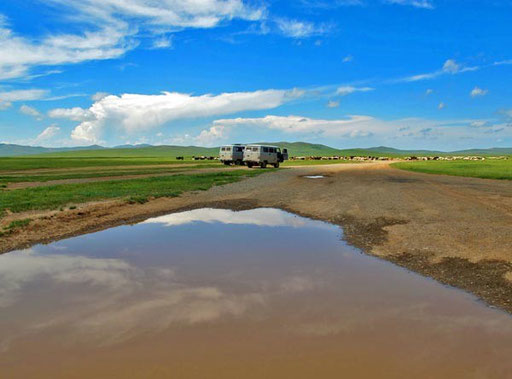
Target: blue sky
431,74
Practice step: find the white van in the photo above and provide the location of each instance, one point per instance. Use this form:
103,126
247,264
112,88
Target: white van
232,154
262,155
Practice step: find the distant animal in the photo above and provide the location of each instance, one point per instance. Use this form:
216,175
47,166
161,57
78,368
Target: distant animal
180,158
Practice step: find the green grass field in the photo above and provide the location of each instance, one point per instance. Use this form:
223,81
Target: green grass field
488,169
99,173
32,163
138,190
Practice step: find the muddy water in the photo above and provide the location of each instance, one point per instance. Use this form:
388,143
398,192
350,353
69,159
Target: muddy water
222,294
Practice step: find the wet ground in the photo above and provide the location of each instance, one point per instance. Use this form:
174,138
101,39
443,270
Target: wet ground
213,293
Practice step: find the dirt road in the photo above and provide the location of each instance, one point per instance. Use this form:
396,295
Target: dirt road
456,230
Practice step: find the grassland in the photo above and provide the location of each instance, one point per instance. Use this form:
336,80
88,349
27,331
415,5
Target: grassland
32,163
136,190
98,173
488,169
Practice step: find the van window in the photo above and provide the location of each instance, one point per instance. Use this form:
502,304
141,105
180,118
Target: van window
228,149
239,149
271,149
265,149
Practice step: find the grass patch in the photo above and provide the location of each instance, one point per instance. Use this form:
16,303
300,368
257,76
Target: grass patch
54,197
138,199
18,224
488,169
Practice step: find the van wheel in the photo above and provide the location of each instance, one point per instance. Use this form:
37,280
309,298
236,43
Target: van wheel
249,165
276,165
227,163
263,164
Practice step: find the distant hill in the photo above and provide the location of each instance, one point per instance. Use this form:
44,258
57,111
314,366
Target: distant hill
11,150
137,151
493,151
294,149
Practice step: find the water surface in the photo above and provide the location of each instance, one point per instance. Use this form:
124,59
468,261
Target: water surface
220,294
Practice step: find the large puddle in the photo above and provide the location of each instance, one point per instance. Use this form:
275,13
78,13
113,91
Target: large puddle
221,294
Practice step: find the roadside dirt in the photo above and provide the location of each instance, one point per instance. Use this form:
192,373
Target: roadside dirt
455,230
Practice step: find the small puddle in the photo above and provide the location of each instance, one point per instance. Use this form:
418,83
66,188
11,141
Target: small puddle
213,293
314,176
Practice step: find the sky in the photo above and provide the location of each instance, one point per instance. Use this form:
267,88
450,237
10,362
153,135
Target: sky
431,74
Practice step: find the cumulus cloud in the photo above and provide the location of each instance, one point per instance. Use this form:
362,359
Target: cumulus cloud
99,95
347,90
31,111
74,114
133,113
478,92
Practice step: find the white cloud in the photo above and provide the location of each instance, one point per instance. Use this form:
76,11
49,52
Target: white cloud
300,29
133,113
30,111
22,95
347,90
502,63
353,126
478,123
426,4
348,58
47,134
164,42
8,97
402,130
99,95
429,92
449,67
441,105
19,54
74,114
109,28
211,136
333,104
476,92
